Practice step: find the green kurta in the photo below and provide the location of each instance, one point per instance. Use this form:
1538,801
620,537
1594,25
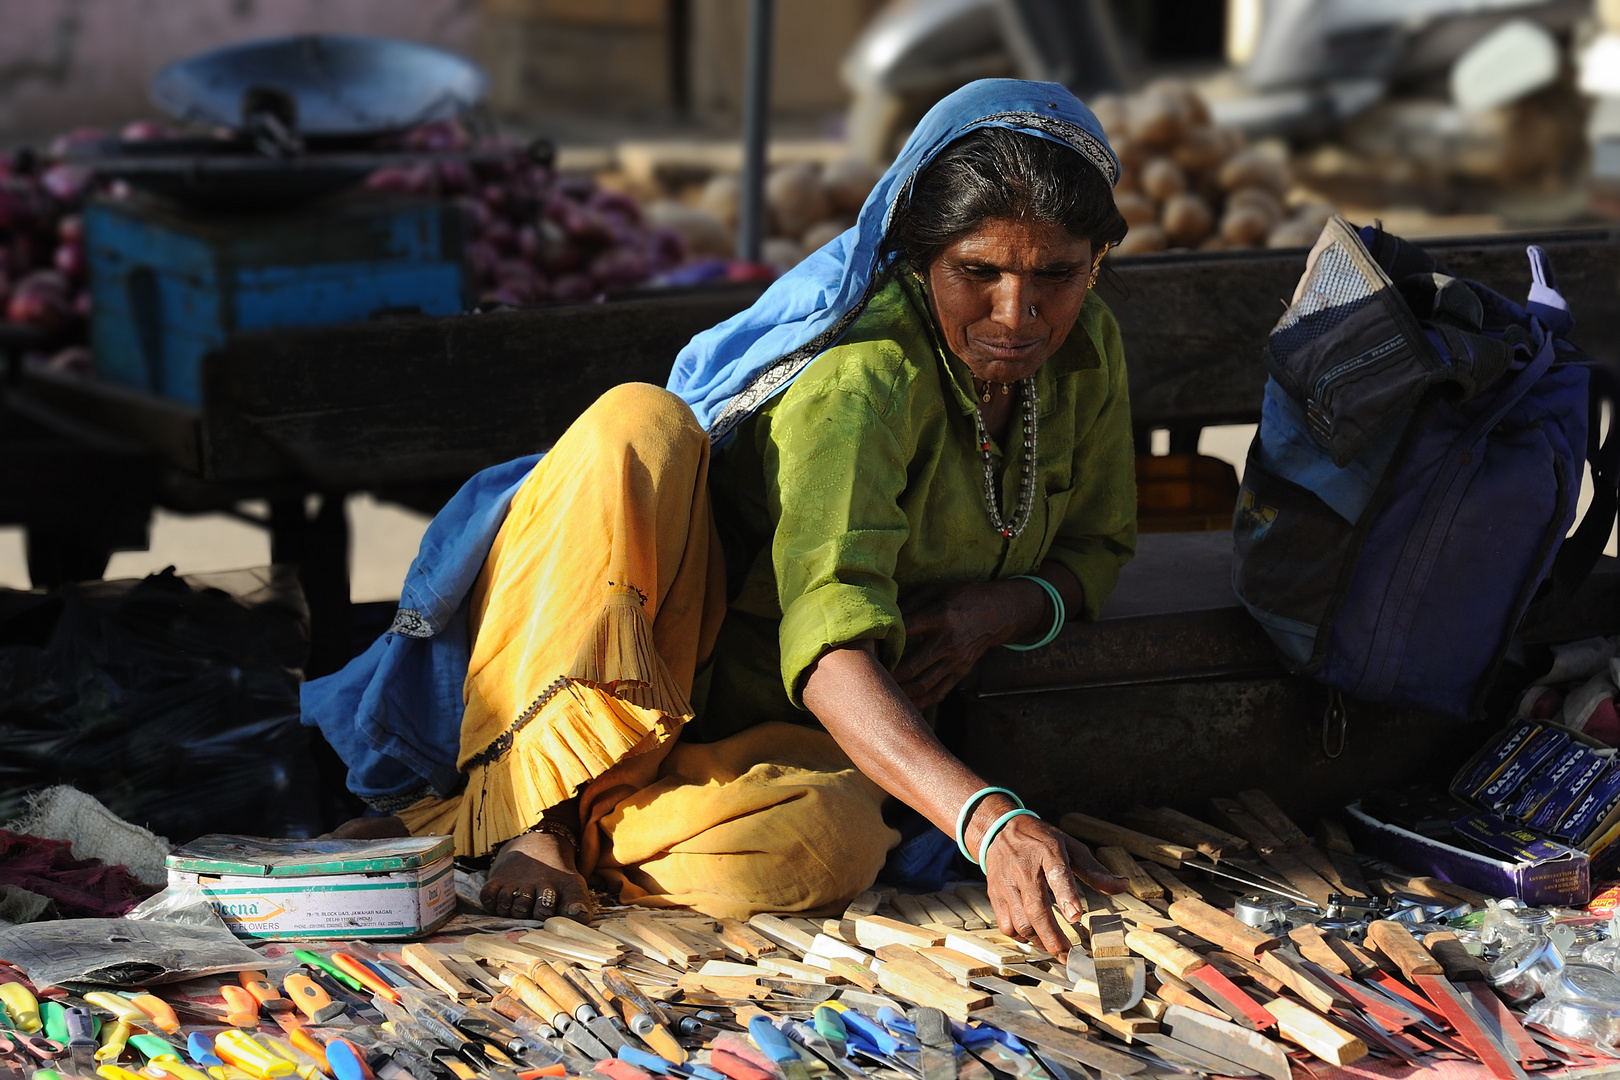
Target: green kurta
863,482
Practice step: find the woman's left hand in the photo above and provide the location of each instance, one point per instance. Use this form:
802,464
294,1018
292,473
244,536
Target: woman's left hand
950,627
1031,868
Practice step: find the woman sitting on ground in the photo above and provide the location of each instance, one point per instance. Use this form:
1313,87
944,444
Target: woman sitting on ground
686,653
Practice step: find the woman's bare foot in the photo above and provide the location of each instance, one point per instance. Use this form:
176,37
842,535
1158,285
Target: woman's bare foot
369,828
526,867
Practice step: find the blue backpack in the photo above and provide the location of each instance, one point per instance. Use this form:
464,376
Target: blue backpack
1406,500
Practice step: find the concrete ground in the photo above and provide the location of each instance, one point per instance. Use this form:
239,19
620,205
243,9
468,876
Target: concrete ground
385,537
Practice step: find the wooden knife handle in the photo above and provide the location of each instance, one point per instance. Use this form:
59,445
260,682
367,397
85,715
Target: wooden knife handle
1218,928
538,1001
1396,942
1166,952
560,990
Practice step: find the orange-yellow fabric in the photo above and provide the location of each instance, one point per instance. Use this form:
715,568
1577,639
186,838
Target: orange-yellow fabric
601,595
600,599
774,818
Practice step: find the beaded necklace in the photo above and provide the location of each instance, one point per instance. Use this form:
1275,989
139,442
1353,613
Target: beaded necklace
1026,489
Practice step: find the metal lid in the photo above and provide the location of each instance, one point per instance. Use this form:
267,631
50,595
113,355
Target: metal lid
1521,958
1261,911
1591,981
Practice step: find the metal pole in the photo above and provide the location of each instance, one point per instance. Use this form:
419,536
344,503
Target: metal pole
756,118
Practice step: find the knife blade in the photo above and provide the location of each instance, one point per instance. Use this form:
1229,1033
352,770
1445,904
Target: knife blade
1117,982
1174,1051
1084,1050
1039,975
1253,1051
589,1045
609,1032
819,1045
1502,1062
81,1039
938,1057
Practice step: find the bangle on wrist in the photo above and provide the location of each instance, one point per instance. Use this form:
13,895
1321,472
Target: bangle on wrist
557,828
1059,614
967,812
996,826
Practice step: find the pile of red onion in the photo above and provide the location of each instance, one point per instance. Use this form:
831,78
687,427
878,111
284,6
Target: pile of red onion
534,235
42,262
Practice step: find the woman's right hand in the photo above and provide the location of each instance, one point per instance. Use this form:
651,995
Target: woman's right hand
1031,865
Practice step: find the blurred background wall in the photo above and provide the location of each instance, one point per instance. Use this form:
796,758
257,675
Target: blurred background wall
70,63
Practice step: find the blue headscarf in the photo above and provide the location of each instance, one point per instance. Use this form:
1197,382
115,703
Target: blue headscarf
727,372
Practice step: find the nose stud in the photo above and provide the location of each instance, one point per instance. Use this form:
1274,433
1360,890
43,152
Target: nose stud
1032,312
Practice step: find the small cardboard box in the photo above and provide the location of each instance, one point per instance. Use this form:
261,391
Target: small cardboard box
295,889
1495,761
1540,872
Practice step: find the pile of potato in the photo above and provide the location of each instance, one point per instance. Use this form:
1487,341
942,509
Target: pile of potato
1186,183
806,205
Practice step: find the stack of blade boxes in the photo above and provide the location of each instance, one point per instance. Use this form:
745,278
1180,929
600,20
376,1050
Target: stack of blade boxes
170,283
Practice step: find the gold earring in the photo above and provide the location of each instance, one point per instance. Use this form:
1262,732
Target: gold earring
1096,266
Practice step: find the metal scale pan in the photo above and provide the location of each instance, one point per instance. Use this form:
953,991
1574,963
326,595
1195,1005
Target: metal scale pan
342,85
327,100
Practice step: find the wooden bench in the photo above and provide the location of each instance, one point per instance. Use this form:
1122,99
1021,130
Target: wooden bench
409,408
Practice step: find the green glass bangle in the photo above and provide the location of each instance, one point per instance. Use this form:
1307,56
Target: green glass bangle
1059,614
996,827
963,814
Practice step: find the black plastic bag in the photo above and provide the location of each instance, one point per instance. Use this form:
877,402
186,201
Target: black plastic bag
172,700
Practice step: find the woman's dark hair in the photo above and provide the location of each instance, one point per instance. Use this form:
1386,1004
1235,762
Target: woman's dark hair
1000,173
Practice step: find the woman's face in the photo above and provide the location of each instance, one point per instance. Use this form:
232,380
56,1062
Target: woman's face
984,285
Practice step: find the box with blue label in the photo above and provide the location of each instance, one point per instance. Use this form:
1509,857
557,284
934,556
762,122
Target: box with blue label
168,283
1550,781
286,890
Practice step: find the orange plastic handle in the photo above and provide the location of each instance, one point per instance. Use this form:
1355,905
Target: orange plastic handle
257,984
241,1007
309,1044
309,998
158,1009
362,974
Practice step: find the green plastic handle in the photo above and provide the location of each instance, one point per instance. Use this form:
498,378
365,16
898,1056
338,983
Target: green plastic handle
315,959
53,1014
153,1048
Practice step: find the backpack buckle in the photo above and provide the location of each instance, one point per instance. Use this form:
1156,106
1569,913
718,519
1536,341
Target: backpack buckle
1316,416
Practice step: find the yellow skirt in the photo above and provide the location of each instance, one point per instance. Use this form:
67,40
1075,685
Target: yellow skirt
599,602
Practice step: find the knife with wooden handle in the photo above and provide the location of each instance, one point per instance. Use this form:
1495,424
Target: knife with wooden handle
1185,964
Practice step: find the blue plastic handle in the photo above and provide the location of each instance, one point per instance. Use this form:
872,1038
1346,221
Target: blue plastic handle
870,1032
771,1042
201,1051
897,1023
345,1064
651,1062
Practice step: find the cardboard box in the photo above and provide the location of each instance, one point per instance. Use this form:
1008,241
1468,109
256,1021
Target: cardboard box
296,889
1540,872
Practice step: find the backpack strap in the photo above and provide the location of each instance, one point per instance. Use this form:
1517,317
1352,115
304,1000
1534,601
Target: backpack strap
1580,551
